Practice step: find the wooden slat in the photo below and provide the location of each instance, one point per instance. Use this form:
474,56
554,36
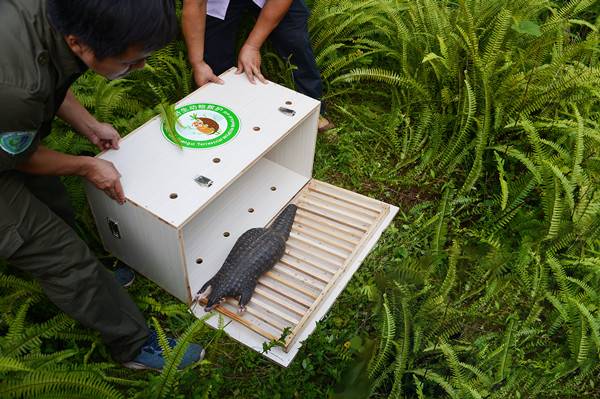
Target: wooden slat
301,277
346,195
309,228
269,308
333,215
287,293
353,209
319,244
313,256
297,265
272,320
298,260
257,312
353,235
269,294
247,323
329,224
326,208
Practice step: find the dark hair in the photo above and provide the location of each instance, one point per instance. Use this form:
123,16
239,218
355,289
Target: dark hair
110,27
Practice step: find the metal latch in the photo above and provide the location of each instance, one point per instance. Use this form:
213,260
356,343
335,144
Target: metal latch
203,181
287,111
114,228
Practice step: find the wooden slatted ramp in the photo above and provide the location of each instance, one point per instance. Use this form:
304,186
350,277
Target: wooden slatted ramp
331,226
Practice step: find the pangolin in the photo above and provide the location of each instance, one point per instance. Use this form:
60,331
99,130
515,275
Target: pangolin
254,253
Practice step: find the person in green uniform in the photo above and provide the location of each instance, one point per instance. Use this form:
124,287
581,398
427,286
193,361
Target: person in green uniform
45,45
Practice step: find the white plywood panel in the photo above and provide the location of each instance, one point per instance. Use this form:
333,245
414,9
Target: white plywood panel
255,340
204,235
147,244
297,150
152,168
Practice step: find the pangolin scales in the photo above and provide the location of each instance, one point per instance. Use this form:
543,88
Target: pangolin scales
254,253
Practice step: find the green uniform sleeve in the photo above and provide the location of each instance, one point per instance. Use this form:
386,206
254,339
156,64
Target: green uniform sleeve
21,117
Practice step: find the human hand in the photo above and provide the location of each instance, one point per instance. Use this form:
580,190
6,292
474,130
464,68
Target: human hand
105,177
249,62
204,74
103,135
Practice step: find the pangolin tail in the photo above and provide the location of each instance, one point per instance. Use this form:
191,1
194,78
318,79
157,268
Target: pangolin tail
285,220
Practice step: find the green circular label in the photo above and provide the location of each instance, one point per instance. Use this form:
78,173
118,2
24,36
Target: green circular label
203,126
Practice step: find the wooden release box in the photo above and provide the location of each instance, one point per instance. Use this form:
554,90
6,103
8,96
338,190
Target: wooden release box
242,152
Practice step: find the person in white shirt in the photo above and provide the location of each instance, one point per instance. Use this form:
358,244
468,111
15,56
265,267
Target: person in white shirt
211,41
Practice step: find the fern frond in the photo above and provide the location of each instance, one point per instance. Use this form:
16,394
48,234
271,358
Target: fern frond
13,283
451,273
384,76
506,345
592,322
503,183
69,383
565,183
556,216
165,384
439,380
11,364
494,43
458,377
17,326
162,338
441,228
388,333
457,141
578,150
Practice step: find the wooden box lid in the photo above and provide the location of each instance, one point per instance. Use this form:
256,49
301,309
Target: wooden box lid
159,176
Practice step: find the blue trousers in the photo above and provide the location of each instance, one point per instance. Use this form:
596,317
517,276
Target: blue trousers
289,38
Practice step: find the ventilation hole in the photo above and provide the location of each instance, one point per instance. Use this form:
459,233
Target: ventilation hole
173,195
199,260
216,160
250,210
226,234
288,102
256,128
273,188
